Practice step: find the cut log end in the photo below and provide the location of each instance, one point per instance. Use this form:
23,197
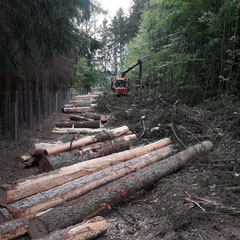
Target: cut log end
37,229
19,162
44,165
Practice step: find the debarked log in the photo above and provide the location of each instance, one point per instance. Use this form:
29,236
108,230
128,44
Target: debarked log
90,229
100,149
88,124
57,196
91,204
10,193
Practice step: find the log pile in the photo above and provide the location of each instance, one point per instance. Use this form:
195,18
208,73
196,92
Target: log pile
81,178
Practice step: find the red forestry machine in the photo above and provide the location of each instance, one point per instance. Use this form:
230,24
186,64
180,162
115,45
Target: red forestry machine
120,85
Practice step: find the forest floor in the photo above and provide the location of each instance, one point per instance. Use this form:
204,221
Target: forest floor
160,212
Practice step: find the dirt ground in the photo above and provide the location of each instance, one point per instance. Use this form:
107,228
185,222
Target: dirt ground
160,212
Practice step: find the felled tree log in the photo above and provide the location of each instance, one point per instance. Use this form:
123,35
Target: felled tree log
92,115
14,229
90,229
24,161
77,109
78,130
100,149
93,203
79,118
88,124
57,196
78,104
87,96
32,185
39,149
117,132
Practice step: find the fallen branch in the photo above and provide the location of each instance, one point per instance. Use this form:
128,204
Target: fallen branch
212,205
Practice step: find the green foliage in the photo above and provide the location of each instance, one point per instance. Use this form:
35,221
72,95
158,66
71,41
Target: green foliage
40,29
87,75
189,49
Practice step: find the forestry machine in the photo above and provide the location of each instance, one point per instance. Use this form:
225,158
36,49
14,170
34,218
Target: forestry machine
120,85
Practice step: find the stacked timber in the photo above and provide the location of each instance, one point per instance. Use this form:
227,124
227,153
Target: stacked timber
84,177
101,181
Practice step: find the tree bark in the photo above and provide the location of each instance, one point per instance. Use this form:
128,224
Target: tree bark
117,132
71,190
79,118
91,204
92,115
78,104
76,101
90,229
24,161
14,229
32,185
77,110
39,149
88,124
100,149
78,130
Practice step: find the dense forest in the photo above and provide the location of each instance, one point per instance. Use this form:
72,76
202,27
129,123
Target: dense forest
190,49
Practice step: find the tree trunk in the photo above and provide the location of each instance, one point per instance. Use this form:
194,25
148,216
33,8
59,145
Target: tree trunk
24,161
92,115
50,163
90,229
79,118
81,101
39,149
78,130
89,124
14,229
103,198
32,185
77,110
71,190
78,104
89,96
117,132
